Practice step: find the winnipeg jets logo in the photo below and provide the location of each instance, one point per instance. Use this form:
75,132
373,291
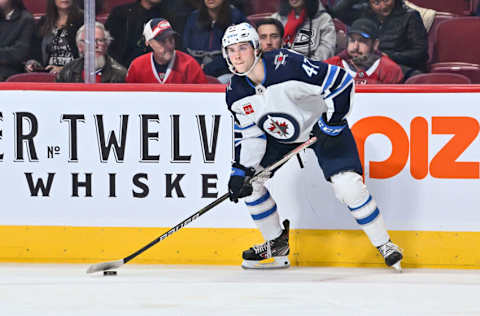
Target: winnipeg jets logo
281,126
280,59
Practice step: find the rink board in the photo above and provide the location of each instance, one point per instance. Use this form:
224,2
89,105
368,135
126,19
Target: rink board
103,204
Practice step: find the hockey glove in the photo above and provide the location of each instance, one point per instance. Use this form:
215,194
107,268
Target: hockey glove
327,131
239,184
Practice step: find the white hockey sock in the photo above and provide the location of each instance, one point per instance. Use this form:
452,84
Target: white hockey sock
263,210
371,221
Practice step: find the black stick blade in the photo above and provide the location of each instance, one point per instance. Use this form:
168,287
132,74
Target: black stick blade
105,266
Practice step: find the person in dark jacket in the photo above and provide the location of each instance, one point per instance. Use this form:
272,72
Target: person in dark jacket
126,23
16,28
202,37
402,35
106,68
54,40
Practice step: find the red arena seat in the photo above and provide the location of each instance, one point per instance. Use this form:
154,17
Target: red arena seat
262,6
36,6
439,18
471,71
461,7
438,78
212,79
32,77
455,41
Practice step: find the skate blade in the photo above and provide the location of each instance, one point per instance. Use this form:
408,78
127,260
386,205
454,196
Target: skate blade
397,267
272,263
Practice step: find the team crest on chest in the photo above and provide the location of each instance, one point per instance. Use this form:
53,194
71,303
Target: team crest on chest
280,59
281,126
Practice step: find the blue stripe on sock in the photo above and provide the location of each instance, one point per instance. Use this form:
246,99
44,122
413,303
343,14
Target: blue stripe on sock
369,218
262,199
359,207
265,214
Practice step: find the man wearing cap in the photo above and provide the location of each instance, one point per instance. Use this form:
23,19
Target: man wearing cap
363,60
164,64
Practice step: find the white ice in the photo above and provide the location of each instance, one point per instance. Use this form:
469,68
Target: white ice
219,290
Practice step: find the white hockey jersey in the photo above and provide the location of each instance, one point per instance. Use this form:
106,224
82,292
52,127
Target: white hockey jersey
296,91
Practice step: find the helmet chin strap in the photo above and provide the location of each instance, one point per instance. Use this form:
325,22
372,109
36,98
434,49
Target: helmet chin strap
255,62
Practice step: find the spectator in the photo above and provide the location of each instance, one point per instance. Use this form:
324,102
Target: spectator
164,64
203,34
363,60
309,29
478,10
54,42
126,23
16,28
106,68
270,32
402,34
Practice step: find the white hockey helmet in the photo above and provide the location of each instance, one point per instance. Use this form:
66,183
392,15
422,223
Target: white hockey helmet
240,33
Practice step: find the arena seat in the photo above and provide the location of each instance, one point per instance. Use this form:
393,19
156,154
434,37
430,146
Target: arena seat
32,77
262,6
212,79
461,7
254,18
456,40
439,18
472,71
438,78
36,6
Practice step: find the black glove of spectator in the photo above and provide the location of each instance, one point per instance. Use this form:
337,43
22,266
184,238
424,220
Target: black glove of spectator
239,185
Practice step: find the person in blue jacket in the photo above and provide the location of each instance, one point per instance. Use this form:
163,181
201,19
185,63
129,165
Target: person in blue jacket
202,37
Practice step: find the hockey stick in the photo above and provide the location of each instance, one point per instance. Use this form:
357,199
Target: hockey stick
118,263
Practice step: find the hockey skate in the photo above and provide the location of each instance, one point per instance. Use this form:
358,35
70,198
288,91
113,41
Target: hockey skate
392,255
273,254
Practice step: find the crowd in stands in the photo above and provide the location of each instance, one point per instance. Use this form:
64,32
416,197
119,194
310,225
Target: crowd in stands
179,41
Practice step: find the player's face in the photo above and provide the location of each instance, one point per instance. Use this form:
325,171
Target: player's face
212,4
163,49
382,7
241,55
358,46
269,37
296,4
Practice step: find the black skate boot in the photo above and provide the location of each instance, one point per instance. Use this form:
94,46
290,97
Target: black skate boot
392,255
276,249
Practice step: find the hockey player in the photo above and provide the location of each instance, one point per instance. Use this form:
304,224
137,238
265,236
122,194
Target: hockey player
278,99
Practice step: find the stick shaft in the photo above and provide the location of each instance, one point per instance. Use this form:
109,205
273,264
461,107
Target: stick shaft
218,201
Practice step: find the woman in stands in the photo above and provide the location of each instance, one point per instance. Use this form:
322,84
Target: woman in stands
202,37
309,29
16,27
55,37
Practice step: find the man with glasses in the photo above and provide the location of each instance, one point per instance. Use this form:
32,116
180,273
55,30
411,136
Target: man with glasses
402,34
106,68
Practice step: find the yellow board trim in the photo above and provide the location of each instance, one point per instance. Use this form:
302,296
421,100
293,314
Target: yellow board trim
223,246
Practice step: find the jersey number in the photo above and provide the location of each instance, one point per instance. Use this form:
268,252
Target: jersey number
309,67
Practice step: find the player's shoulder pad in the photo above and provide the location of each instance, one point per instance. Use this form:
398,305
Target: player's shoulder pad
237,89
285,64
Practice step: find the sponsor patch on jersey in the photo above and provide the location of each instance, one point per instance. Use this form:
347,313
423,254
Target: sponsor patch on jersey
280,59
248,109
281,126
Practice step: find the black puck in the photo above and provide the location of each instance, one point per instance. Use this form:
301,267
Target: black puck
110,272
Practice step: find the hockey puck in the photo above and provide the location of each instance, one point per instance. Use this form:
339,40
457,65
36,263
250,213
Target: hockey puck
109,272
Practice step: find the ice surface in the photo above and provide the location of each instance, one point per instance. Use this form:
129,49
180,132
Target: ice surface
27,289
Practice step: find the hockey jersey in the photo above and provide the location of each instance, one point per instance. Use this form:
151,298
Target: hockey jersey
383,71
295,92
183,68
